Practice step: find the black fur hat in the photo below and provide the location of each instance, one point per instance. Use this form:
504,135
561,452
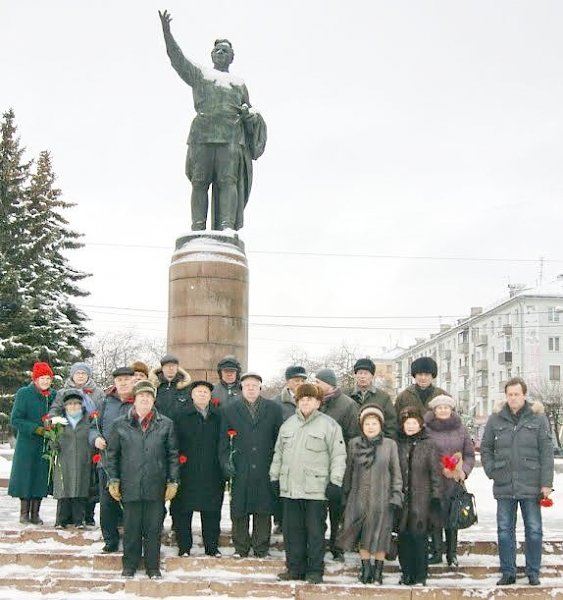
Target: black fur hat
424,364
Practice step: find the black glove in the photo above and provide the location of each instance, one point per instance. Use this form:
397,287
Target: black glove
275,485
333,492
435,505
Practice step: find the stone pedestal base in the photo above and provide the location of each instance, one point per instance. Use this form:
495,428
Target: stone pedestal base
208,302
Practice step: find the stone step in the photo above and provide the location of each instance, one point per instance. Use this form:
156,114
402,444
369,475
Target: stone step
247,567
78,537
201,586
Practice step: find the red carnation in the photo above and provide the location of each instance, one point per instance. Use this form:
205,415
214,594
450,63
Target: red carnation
449,462
546,502
215,402
49,428
182,459
231,433
96,458
94,414
45,418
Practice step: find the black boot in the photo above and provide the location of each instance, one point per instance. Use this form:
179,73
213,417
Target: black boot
377,572
24,510
435,556
366,575
451,547
35,505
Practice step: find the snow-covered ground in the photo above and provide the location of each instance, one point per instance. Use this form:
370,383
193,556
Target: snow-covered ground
484,530
477,483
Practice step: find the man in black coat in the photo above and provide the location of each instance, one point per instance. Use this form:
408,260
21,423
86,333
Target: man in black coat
143,474
171,383
249,430
202,485
344,411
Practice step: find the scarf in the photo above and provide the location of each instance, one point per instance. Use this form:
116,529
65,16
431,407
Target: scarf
146,421
367,450
252,408
424,394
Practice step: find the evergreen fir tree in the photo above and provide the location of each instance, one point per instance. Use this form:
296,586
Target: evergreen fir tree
15,318
37,283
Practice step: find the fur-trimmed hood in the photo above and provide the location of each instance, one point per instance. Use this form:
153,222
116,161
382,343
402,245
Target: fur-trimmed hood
536,406
182,378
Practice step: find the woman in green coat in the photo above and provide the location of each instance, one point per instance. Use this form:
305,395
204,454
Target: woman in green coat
29,476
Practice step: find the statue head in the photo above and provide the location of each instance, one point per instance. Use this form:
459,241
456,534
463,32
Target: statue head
222,55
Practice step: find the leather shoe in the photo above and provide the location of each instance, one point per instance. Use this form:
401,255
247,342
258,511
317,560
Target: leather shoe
314,578
507,579
109,548
129,573
533,579
289,576
154,574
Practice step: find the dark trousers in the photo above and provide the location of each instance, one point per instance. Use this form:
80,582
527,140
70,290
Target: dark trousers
70,511
278,511
89,512
142,526
261,530
413,555
304,524
210,529
110,513
335,510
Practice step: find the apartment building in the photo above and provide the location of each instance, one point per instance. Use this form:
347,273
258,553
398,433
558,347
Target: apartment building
521,335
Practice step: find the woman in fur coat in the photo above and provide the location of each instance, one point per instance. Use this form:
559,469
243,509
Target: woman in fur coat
457,457
422,487
373,495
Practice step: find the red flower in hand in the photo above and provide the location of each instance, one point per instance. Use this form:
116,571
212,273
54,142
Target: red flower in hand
94,414
45,418
449,462
215,401
546,502
96,458
182,459
231,433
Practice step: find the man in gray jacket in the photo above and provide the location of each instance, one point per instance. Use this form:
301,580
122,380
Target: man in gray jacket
309,463
517,454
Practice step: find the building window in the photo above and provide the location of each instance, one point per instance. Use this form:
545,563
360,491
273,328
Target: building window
554,373
553,344
552,314
508,344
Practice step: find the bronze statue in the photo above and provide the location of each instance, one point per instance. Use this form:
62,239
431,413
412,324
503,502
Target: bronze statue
225,136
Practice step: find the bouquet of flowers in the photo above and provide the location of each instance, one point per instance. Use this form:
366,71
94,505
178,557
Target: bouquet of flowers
54,428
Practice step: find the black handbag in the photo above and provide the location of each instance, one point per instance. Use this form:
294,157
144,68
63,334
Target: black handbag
463,510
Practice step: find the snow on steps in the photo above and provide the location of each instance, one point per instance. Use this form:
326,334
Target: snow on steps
42,561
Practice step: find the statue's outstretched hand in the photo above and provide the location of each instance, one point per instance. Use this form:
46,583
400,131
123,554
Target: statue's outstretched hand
165,19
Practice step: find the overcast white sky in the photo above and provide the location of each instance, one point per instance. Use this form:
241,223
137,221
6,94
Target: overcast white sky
404,129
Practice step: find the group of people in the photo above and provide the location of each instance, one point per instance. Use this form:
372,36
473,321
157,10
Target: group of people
385,474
